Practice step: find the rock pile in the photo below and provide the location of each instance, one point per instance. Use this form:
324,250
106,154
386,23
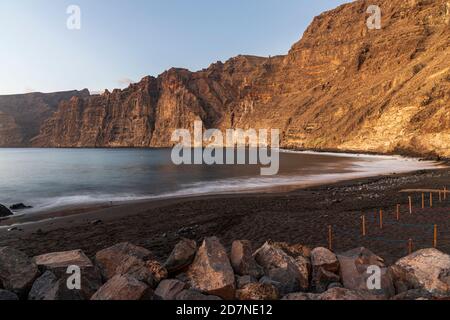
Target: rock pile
274,271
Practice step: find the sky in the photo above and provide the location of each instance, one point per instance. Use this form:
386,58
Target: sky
121,41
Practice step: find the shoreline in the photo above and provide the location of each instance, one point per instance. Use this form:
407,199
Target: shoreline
295,216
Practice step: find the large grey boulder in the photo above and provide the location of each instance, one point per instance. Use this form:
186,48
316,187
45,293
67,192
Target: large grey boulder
291,274
123,288
17,271
61,264
181,257
357,267
211,271
51,287
325,269
427,269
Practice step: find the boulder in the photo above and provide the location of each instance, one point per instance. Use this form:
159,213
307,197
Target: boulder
243,261
109,259
258,291
59,262
427,269
355,272
8,296
169,289
293,250
138,269
181,257
19,206
17,271
292,274
192,295
4,211
158,271
244,280
325,269
123,287
50,287
211,271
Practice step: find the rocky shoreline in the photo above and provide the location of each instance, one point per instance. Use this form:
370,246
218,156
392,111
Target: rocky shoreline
209,272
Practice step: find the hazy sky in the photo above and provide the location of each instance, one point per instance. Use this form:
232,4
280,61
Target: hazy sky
123,40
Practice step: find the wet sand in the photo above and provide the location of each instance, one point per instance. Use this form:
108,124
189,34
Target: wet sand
299,216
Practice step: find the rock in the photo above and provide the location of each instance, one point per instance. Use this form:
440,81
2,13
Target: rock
293,275
258,291
192,295
295,250
158,271
181,257
244,280
354,271
123,287
17,271
325,269
169,289
427,269
50,287
108,260
19,206
4,211
413,295
8,296
138,269
59,262
211,271
341,294
243,261
301,296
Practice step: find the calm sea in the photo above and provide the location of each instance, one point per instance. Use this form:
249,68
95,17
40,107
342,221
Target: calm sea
50,178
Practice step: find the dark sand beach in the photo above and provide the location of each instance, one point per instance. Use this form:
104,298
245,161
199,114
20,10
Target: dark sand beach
300,216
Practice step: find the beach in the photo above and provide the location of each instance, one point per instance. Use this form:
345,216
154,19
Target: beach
294,216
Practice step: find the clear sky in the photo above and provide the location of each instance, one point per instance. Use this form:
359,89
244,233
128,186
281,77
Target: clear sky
124,40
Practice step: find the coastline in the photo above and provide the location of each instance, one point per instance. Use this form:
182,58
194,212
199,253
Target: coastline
296,216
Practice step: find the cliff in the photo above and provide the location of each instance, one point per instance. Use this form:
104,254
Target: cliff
22,115
340,87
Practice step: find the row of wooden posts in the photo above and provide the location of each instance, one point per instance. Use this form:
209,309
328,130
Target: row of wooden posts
442,196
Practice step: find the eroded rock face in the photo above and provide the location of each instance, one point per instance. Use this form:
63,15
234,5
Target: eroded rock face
427,269
181,257
242,260
108,260
258,291
211,271
356,268
123,287
291,274
403,108
17,271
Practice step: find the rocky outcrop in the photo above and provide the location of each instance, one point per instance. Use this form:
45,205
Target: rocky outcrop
4,211
22,115
381,90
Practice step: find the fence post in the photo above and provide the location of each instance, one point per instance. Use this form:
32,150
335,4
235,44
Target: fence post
363,225
381,219
435,236
410,205
330,238
423,200
410,246
431,199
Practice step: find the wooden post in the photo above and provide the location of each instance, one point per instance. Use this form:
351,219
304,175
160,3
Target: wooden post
431,199
363,225
435,236
410,205
423,200
381,219
410,246
398,212
330,238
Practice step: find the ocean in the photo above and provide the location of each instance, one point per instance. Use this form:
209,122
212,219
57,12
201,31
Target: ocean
48,179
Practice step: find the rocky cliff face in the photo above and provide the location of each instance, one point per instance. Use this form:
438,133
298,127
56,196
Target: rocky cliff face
340,87
21,116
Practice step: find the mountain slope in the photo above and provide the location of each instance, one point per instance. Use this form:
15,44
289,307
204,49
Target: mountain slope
341,87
